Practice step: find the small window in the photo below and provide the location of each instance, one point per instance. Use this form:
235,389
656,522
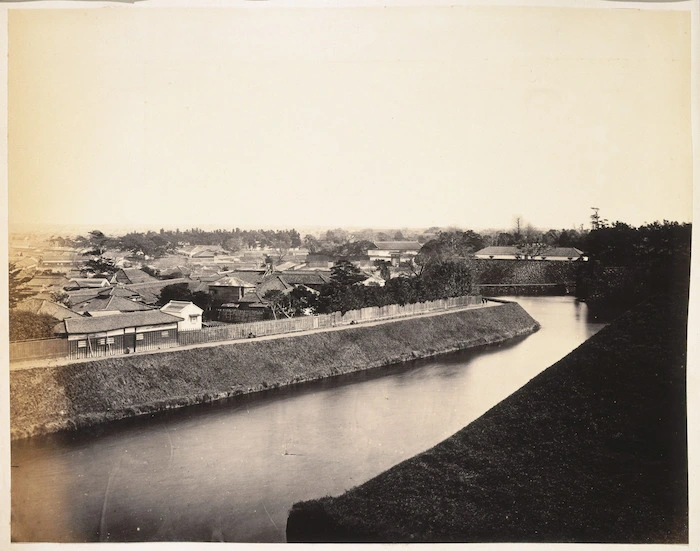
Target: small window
194,318
164,333
100,342
139,337
110,340
82,344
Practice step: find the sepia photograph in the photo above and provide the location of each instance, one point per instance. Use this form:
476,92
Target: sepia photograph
348,273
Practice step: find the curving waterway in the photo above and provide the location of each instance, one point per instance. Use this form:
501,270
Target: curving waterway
230,471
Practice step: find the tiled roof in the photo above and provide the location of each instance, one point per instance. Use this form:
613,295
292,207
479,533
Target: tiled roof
118,321
298,277
40,306
398,245
251,276
48,280
252,298
273,283
117,292
208,250
176,306
89,282
286,266
230,281
109,303
136,275
151,291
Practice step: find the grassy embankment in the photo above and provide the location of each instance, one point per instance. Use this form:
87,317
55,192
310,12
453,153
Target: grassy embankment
83,394
591,450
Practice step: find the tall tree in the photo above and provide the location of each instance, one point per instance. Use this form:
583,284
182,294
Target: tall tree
280,303
97,264
345,273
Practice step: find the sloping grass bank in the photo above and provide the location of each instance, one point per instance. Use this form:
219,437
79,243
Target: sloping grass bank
591,450
82,394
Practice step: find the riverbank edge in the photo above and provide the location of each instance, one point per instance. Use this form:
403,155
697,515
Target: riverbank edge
592,450
80,395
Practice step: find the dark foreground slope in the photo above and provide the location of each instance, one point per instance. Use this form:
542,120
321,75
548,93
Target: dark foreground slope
82,394
591,450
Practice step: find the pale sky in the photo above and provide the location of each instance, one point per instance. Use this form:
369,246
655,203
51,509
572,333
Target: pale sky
383,117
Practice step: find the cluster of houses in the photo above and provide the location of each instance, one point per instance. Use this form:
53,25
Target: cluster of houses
121,311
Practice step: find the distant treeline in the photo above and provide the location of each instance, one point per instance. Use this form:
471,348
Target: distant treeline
336,242
156,244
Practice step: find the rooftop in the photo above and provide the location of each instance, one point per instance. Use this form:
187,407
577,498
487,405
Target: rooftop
564,252
399,245
109,302
231,281
73,326
176,306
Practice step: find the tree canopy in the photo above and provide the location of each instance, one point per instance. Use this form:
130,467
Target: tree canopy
28,325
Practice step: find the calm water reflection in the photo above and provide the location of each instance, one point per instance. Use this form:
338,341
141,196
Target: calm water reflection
231,471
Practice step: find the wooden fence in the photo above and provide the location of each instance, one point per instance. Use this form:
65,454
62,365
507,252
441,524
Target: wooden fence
54,348
38,349
306,323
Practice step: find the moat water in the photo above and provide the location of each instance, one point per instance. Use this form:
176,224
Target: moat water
230,471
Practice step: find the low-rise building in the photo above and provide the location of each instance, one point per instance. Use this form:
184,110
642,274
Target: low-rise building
108,304
43,306
395,252
228,289
128,276
190,314
86,283
119,333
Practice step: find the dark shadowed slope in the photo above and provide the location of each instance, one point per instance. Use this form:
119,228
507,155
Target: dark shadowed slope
592,450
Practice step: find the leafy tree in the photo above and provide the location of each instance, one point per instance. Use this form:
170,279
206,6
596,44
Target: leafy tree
97,244
28,325
235,243
345,273
98,266
60,297
337,236
384,268
627,264
450,246
449,278
551,237
505,239
335,297
176,291
280,303
403,290
530,250
311,243
181,291
304,301
18,289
